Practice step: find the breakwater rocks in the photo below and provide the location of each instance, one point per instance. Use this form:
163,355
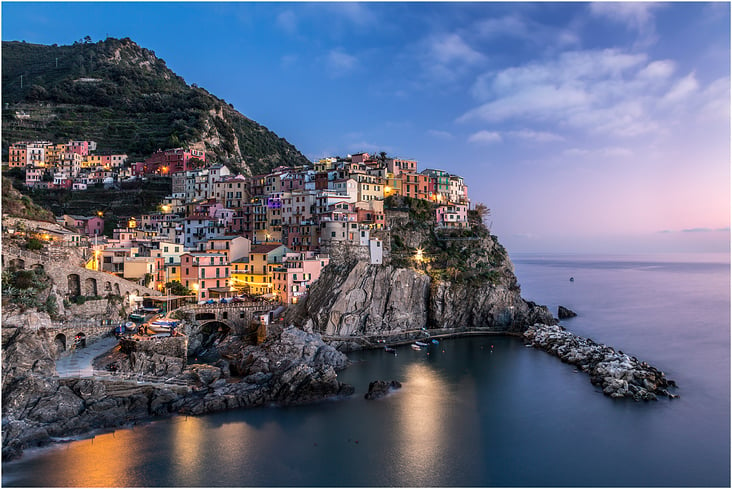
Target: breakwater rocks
616,373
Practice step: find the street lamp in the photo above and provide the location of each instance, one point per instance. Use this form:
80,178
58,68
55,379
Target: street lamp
419,255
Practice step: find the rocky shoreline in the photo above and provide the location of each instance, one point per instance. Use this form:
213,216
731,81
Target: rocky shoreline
293,367
616,373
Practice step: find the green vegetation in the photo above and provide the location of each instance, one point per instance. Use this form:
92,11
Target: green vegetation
15,204
470,255
24,288
131,199
174,287
125,98
34,244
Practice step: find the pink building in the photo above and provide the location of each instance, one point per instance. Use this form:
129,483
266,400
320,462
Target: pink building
88,226
79,147
205,274
452,216
293,279
396,166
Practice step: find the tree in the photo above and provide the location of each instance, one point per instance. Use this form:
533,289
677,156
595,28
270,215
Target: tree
174,287
482,210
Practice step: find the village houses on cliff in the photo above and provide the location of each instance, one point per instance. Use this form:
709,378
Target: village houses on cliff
221,234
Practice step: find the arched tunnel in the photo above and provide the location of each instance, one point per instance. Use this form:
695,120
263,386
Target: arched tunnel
202,344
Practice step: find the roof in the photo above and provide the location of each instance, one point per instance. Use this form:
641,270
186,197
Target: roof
265,248
205,254
243,259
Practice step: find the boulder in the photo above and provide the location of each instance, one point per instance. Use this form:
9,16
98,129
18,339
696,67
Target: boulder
380,388
565,313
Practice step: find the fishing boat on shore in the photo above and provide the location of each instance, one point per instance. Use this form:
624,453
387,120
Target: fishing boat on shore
161,326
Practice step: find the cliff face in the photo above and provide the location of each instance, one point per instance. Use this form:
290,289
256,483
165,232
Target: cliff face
462,280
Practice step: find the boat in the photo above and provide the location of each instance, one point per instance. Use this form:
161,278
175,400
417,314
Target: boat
158,328
416,347
435,342
137,316
389,349
421,343
161,326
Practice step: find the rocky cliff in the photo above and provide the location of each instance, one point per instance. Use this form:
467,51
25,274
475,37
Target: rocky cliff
460,280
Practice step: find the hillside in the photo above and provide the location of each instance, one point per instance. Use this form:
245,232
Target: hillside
125,98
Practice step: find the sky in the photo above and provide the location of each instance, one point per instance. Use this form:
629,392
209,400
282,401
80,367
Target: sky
584,127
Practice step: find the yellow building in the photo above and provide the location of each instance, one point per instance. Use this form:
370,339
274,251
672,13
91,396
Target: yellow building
254,274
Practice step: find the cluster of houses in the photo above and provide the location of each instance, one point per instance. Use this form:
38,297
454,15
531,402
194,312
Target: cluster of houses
221,234
74,165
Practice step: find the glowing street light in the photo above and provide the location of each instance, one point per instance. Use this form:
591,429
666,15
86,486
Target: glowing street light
419,255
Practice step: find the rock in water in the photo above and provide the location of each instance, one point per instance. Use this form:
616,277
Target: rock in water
564,313
380,388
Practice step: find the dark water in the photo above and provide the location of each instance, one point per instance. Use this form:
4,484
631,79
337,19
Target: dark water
469,414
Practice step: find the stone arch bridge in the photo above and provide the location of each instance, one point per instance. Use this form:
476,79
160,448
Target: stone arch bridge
70,279
241,318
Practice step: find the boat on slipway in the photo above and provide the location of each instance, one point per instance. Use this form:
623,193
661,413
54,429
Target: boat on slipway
161,326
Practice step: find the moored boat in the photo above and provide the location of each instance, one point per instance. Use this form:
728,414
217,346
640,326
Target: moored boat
420,343
435,342
416,347
389,349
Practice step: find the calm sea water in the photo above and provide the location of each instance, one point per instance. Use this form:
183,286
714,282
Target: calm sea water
474,411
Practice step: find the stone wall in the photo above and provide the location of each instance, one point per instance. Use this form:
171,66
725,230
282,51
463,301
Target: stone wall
174,346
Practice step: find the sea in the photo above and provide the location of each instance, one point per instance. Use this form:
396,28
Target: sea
478,411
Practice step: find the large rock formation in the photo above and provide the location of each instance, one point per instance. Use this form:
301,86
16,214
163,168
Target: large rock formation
462,280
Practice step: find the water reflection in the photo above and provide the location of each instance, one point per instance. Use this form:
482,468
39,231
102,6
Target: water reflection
421,424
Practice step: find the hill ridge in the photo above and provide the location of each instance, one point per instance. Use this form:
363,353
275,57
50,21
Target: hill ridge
127,99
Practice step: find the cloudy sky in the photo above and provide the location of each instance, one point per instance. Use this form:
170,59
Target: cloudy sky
584,127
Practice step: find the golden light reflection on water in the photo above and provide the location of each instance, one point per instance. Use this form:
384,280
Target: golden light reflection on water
97,462
226,446
423,433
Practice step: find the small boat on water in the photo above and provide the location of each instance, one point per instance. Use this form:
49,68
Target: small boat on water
420,343
416,347
435,342
389,349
